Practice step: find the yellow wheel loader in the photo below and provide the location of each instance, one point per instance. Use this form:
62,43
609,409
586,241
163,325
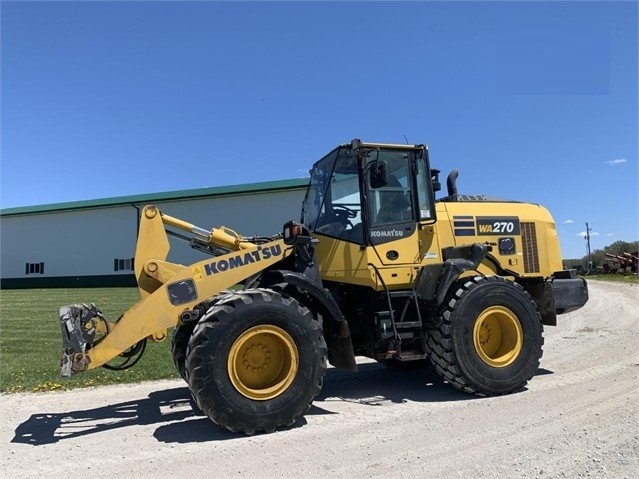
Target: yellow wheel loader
376,267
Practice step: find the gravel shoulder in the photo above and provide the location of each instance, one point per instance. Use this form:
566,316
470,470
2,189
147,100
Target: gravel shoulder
578,417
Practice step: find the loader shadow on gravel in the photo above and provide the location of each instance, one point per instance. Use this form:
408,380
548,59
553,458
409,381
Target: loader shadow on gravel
373,385
158,407
388,384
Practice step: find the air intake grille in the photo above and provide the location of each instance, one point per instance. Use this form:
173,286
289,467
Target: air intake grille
529,240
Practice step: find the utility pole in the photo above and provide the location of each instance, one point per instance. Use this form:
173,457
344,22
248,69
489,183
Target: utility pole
588,230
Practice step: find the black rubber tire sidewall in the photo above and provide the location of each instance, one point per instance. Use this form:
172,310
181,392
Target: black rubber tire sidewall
181,336
212,340
179,342
481,295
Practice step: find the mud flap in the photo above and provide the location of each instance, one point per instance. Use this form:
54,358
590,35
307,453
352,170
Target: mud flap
78,323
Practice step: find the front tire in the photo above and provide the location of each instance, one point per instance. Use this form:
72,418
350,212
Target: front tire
179,342
182,334
255,361
487,338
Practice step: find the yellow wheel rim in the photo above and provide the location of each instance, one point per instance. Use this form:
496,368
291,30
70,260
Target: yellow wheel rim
498,336
263,362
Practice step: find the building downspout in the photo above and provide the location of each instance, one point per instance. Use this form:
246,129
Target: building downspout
137,225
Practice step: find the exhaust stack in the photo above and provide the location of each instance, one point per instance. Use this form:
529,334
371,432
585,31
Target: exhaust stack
451,182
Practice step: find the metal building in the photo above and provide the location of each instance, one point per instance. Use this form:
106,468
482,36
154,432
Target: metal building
92,243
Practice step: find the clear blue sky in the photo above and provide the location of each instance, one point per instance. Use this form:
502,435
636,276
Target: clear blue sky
530,101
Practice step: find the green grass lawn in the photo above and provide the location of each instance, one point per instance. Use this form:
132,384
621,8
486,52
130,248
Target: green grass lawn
619,278
31,344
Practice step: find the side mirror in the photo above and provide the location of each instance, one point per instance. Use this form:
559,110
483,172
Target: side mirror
434,178
378,174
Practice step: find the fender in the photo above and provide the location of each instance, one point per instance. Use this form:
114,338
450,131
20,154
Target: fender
434,281
336,331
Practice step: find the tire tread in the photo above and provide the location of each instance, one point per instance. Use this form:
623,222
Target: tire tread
440,341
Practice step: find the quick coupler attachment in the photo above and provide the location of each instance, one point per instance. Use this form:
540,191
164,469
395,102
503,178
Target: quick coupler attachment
79,323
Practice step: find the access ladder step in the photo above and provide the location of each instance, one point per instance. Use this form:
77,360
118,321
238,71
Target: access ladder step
402,294
408,324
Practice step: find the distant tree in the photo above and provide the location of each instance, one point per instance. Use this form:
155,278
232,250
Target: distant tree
598,256
619,247
577,264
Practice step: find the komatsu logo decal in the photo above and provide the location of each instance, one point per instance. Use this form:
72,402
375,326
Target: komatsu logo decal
387,234
242,259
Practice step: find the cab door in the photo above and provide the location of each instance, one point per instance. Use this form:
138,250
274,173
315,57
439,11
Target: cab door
395,210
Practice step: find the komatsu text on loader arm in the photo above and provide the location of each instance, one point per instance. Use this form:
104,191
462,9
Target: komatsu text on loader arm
376,267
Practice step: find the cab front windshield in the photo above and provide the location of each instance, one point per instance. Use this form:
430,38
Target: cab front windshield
332,206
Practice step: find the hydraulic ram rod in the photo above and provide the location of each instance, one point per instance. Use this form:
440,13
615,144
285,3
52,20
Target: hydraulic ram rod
217,236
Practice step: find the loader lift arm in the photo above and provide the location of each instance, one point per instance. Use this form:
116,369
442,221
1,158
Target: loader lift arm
166,289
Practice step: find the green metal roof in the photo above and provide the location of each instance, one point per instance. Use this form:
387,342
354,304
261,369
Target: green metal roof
156,197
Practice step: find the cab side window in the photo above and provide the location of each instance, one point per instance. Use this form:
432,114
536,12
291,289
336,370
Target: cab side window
392,203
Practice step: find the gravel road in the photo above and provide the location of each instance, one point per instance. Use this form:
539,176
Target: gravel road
578,417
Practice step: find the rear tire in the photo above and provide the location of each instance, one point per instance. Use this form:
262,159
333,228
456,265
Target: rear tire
487,339
255,361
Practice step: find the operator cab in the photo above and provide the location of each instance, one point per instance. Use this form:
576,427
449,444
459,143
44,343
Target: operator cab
369,193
